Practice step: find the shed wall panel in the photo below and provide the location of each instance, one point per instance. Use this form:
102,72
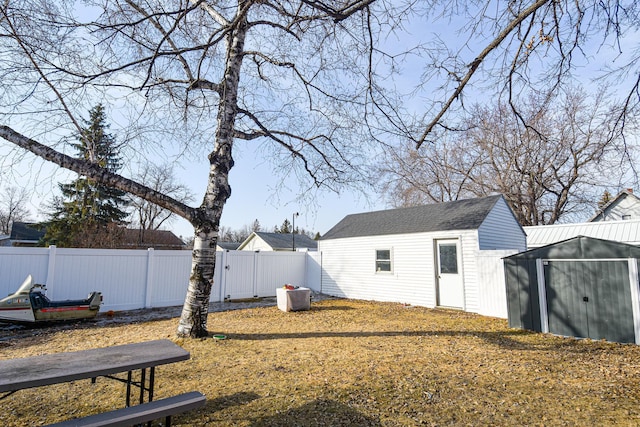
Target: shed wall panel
348,268
522,294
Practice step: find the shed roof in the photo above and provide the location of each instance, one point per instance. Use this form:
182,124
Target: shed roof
457,215
581,247
627,231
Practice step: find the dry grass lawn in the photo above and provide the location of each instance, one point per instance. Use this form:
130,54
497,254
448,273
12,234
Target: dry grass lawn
350,363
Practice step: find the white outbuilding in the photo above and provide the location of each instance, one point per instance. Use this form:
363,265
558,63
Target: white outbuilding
423,255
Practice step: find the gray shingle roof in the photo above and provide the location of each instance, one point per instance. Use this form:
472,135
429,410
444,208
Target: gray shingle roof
458,215
285,241
26,231
230,246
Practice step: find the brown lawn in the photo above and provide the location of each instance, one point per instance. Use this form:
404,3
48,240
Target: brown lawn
353,363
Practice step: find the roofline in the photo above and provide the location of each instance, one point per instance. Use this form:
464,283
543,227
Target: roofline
612,201
601,223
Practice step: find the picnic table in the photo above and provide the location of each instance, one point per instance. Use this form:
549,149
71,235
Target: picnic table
38,371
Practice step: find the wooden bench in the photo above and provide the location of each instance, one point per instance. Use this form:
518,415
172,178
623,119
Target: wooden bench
142,413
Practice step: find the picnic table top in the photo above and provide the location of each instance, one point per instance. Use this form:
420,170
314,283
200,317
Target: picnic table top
36,371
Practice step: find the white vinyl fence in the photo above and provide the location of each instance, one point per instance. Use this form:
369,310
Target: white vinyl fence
493,293
132,279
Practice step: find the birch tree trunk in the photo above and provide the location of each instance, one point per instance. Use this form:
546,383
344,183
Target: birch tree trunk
193,321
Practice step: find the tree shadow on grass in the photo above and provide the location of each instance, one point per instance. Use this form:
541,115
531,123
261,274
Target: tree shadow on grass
512,339
236,399
322,412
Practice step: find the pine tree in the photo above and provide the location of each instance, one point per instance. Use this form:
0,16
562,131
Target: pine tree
606,198
86,206
284,229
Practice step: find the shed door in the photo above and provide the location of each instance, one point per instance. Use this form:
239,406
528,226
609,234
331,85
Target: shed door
450,284
589,299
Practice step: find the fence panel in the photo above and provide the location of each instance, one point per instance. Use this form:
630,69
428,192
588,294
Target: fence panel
275,269
119,274
132,279
168,277
17,263
313,271
492,287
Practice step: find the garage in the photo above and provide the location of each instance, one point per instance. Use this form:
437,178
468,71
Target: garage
582,287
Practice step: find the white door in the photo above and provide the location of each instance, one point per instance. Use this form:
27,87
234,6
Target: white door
450,285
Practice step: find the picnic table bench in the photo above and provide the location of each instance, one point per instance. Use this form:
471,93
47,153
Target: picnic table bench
139,414
38,371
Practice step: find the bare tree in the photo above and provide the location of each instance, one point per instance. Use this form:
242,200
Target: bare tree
554,167
13,208
161,178
294,78
208,73
514,48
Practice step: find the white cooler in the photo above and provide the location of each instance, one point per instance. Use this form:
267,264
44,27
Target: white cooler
293,300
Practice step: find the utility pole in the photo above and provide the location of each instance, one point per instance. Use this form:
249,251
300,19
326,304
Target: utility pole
293,231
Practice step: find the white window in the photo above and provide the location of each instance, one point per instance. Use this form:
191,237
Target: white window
383,261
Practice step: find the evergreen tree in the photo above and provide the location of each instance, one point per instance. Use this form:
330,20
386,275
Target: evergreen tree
86,206
606,198
285,228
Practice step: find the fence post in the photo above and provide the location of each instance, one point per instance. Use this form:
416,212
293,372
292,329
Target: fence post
51,270
149,284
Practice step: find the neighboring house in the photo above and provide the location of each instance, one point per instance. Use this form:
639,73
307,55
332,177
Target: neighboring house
624,206
423,255
24,234
261,241
227,246
627,231
145,239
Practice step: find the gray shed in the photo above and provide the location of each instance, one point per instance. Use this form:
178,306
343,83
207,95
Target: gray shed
581,287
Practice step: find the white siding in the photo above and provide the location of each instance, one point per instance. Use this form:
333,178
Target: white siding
257,244
626,207
500,230
348,268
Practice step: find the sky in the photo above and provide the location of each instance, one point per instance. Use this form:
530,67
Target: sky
253,196
252,180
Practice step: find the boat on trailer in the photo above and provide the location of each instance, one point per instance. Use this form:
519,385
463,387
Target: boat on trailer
29,304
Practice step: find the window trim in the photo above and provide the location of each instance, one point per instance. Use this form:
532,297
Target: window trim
377,260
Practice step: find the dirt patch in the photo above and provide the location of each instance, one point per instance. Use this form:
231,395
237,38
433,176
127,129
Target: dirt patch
348,362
